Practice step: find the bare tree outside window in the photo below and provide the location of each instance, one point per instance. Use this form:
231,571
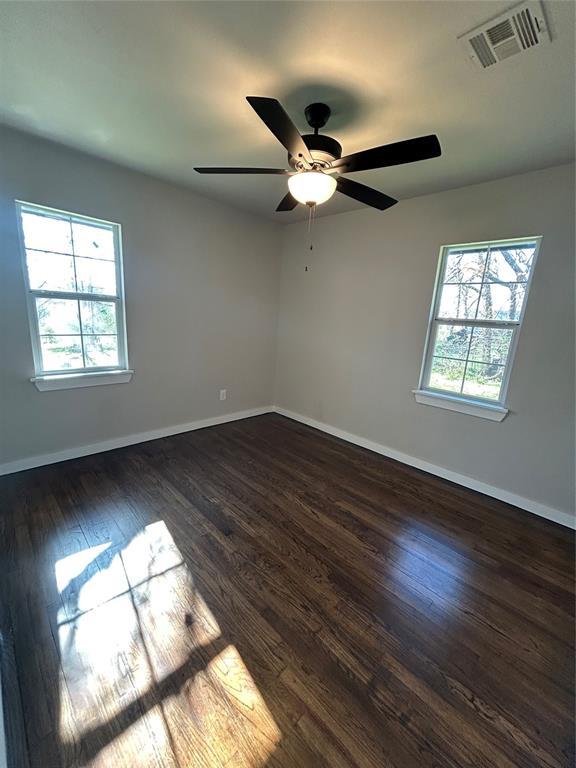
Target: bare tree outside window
477,312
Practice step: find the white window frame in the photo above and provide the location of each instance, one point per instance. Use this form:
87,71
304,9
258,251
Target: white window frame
474,406
76,377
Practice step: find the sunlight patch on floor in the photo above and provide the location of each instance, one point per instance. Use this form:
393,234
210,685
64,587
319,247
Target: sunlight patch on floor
259,735
150,552
147,678
70,567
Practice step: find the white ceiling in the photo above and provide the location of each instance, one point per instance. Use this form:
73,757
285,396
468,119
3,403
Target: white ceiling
161,86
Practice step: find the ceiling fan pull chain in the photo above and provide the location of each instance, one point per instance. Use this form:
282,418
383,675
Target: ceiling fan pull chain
311,212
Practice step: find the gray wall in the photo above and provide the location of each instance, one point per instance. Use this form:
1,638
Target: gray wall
201,300
202,283
352,329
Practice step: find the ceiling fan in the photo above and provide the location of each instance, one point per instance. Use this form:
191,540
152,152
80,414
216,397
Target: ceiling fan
317,163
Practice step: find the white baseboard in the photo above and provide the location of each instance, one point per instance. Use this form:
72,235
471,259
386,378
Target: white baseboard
535,507
556,515
122,442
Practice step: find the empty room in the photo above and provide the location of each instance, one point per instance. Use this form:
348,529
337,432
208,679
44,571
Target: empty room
287,384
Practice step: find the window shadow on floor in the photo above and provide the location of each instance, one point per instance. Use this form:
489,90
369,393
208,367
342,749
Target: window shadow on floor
129,649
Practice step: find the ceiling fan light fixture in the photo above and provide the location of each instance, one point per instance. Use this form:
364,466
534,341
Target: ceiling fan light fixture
315,156
312,187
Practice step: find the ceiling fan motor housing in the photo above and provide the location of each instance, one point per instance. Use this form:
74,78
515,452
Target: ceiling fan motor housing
324,149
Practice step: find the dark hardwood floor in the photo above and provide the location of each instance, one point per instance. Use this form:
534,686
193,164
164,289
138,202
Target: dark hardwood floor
260,594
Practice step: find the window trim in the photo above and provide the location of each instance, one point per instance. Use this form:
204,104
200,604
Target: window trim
76,381
69,378
495,410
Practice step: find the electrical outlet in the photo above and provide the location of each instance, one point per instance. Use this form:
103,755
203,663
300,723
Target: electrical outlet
223,394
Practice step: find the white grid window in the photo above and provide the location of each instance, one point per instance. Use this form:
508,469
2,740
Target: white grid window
478,306
74,282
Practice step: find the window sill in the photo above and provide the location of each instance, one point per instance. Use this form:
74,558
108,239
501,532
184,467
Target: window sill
450,403
75,380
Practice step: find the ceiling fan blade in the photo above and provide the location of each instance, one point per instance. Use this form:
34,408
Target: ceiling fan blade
278,171
364,194
288,203
409,151
271,112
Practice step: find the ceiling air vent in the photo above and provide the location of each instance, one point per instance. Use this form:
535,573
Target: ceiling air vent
516,31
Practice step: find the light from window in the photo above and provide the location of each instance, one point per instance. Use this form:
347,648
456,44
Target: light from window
74,281
476,315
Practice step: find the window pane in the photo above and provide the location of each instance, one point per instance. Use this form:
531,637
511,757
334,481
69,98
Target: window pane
101,351
96,276
483,287
483,381
465,266
67,256
501,302
61,352
510,265
57,316
490,345
98,316
46,233
459,301
446,374
50,271
452,341
94,241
